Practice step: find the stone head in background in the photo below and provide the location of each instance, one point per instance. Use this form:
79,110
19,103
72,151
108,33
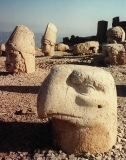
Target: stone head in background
82,102
20,49
114,54
115,35
2,49
61,47
49,40
86,48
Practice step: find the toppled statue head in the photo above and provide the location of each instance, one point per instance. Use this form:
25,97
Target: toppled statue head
49,40
89,47
82,102
20,49
115,35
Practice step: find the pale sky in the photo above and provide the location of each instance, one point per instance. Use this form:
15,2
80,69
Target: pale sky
71,17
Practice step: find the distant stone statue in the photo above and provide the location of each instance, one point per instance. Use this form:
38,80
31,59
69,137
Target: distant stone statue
115,35
20,49
88,47
114,54
61,47
82,102
2,50
49,40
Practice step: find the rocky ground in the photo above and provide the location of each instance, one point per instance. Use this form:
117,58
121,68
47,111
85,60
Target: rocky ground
25,137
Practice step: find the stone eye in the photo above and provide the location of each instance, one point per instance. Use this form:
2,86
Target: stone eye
76,77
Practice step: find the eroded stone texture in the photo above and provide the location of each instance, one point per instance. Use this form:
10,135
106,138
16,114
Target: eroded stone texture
115,22
114,54
49,40
20,49
82,102
61,47
86,48
2,49
115,35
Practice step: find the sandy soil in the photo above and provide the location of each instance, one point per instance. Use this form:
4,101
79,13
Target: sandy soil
23,135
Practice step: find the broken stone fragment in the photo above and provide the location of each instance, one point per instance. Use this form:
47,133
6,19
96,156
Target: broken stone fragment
114,54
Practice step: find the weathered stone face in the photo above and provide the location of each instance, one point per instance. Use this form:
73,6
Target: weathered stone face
115,35
115,54
82,102
15,62
2,47
89,47
49,40
61,47
20,49
2,50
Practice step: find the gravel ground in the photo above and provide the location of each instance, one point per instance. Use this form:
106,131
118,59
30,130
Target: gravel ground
25,137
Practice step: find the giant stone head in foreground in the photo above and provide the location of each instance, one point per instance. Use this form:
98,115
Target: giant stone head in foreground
49,40
82,102
20,49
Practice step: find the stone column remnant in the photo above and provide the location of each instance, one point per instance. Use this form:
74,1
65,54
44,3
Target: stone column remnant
115,22
82,102
123,25
20,49
49,40
102,28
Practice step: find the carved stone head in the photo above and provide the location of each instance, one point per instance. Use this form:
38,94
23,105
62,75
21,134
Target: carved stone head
49,40
82,102
88,47
2,50
114,54
115,35
20,49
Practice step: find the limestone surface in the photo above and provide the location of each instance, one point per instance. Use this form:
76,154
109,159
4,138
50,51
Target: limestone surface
114,54
115,35
82,102
20,49
88,47
48,40
61,47
2,49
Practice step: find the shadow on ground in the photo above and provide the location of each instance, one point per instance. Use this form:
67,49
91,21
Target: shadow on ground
121,90
24,137
21,89
4,73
